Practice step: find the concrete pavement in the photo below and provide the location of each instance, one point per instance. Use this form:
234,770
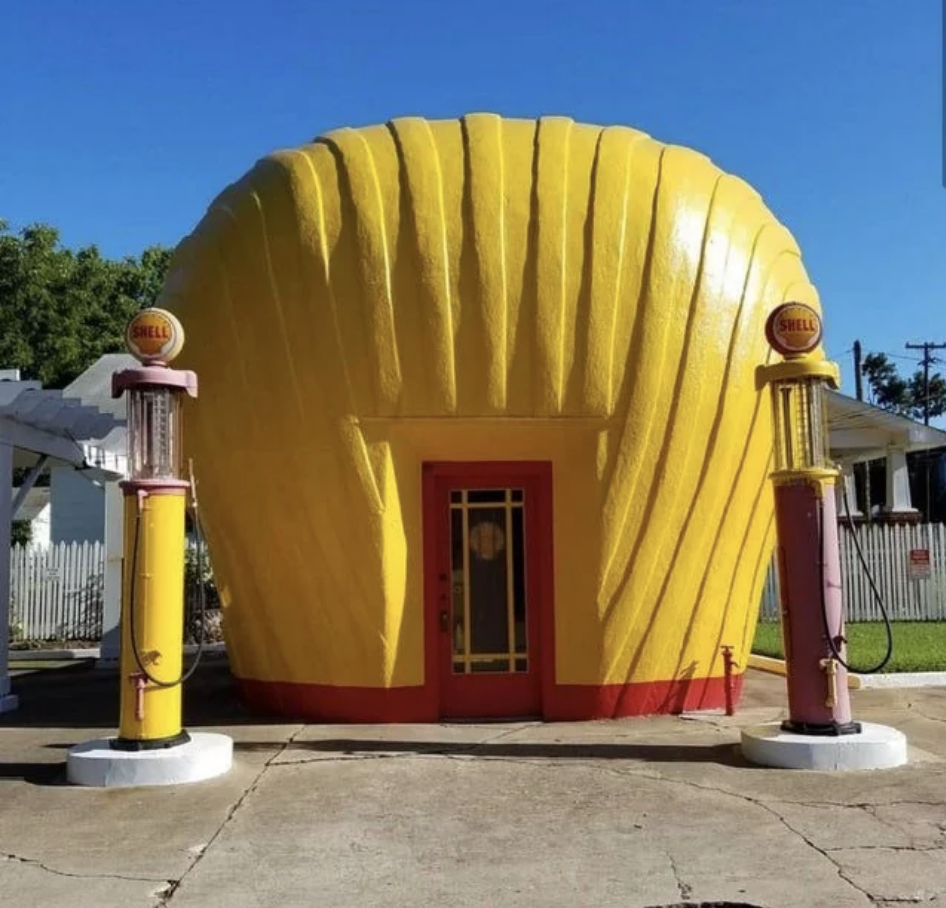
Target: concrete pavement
633,813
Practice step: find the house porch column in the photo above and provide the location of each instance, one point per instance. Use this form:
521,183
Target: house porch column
899,507
847,485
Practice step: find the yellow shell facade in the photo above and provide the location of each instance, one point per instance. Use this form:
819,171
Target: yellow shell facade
483,290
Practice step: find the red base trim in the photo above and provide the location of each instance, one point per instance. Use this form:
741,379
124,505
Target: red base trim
568,703
325,703
576,702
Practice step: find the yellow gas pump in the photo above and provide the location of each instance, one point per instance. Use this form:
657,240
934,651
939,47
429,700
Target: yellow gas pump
155,505
152,746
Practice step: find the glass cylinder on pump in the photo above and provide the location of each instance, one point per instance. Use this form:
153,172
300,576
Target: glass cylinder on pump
154,432
800,424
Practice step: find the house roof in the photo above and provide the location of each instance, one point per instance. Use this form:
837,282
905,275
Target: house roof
50,423
94,386
860,431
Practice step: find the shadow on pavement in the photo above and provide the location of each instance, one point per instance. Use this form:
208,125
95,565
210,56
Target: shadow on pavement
723,754
77,696
44,774
80,696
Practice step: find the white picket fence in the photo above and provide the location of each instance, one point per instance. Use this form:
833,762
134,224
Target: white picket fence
56,593
887,551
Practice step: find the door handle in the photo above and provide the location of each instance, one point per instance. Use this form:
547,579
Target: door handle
444,621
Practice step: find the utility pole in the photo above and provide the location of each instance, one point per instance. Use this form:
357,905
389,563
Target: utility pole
858,375
927,361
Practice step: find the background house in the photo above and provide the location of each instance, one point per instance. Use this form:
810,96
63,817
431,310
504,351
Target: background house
889,446
77,504
35,510
39,430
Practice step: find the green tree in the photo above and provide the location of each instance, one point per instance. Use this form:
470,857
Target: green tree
21,532
904,396
61,309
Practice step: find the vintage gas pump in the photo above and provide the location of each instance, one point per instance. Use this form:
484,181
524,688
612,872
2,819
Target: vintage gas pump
807,527
152,618
155,504
819,732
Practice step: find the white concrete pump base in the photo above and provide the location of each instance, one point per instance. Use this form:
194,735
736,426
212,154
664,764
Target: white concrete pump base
96,764
876,747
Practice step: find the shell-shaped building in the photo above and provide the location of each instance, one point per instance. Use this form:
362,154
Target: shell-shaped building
479,434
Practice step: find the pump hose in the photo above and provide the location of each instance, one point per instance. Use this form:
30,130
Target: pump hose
201,598
870,579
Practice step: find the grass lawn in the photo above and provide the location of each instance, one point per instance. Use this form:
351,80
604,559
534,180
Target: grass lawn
918,646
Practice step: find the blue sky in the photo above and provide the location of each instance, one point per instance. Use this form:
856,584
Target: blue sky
121,120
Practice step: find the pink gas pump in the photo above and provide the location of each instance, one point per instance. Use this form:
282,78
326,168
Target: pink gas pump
819,732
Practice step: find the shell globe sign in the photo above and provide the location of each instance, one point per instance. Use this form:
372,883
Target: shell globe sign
154,336
794,329
532,340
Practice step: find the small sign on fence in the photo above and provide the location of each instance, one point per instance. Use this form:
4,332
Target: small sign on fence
918,566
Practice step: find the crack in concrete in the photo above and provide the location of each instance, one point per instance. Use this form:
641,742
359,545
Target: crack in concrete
657,777
175,885
871,811
39,865
908,900
683,888
864,805
348,758
918,848
503,734
434,750
925,715
825,853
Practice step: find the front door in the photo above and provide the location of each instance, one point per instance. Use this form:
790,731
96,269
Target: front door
484,586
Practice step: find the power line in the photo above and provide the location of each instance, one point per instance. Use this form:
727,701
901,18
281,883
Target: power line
926,362
909,359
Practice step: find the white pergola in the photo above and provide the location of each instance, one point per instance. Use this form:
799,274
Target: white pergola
39,429
860,432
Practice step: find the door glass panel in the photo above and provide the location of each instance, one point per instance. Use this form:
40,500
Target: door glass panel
489,620
486,496
519,579
458,571
491,665
488,604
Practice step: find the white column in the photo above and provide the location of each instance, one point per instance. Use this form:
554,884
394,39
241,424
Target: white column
114,552
847,484
8,701
898,484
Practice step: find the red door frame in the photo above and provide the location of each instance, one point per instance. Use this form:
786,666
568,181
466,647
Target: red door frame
536,478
